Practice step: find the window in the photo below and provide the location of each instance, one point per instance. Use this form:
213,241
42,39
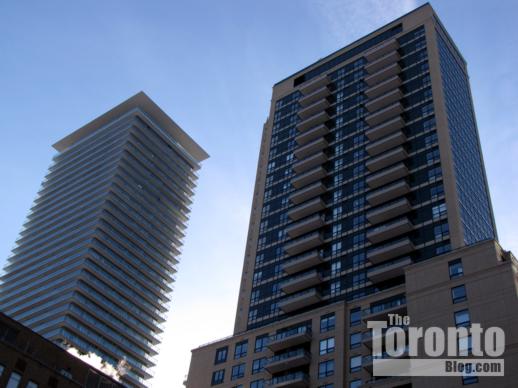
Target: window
335,287
241,348
438,211
1,370
218,377
327,345
257,384
260,343
355,384
258,365
355,340
455,268
465,346
327,386
467,380
32,384
355,316
238,371
221,355
238,386
326,368
336,267
14,380
441,231
458,294
327,322
355,363
462,318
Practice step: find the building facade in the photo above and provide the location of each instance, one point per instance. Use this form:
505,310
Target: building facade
94,265
29,360
370,165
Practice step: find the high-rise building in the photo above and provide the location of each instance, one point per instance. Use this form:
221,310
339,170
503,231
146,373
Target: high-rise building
94,265
370,186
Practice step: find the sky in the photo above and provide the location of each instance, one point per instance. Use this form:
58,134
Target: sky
211,65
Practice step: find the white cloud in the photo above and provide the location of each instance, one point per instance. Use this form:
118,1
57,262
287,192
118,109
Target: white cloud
348,20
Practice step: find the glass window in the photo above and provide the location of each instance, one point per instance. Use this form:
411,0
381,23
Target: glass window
241,349
464,345
260,343
462,318
218,377
238,371
355,384
355,363
1,369
32,384
467,380
221,355
326,368
14,380
355,316
458,294
327,322
455,268
355,340
257,384
258,365
327,386
327,345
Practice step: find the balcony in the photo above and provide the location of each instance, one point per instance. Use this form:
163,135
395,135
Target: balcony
382,62
379,310
383,74
388,382
389,270
318,94
301,282
305,225
384,114
300,300
302,262
304,243
292,380
309,87
289,338
385,128
307,192
381,50
289,360
383,87
390,210
387,175
311,110
386,159
390,250
308,177
310,148
389,230
312,134
311,161
384,100
386,143
306,209
388,193
312,121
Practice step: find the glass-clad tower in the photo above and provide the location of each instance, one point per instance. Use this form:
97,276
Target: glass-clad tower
372,158
94,265
370,169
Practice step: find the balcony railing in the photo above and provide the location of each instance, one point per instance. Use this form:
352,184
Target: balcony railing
386,143
289,338
390,210
310,148
385,128
302,262
300,300
390,250
292,380
314,108
318,94
312,121
289,360
312,134
389,230
386,159
304,243
299,282
310,162
387,175
388,193
307,192
381,49
388,270
383,87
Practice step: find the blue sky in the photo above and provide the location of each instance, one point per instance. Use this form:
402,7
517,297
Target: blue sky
211,66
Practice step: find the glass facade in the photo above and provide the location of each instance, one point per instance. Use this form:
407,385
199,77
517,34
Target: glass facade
473,194
345,246
94,264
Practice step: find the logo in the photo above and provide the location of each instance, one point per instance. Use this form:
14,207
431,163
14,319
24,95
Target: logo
399,349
